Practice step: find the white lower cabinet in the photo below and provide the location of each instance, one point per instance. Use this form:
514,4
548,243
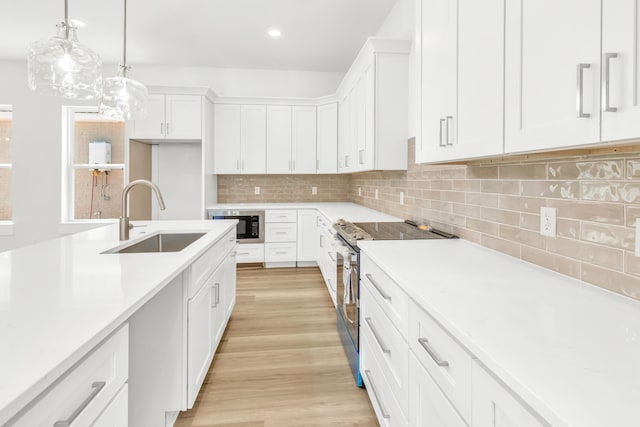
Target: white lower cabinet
84,393
307,236
198,342
250,253
495,406
326,255
280,238
427,404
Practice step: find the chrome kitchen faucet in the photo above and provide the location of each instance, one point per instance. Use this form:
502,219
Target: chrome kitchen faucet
124,219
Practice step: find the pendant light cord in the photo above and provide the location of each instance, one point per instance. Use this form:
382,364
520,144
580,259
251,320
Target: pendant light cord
124,47
66,19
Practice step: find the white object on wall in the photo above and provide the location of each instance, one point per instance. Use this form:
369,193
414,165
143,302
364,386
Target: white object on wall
99,153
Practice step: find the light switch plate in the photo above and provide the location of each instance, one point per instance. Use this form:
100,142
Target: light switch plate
256,190
376,194
359,191
314,190
402,197
548,221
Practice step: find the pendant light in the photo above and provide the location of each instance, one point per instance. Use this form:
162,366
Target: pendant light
123,98
61,66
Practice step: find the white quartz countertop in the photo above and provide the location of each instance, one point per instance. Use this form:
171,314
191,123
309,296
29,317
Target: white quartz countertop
571,350
332,210
60,298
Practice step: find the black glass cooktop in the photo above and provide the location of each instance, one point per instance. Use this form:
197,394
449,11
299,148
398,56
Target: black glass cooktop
399,231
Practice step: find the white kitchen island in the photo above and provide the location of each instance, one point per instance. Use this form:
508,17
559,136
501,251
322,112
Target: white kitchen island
61,298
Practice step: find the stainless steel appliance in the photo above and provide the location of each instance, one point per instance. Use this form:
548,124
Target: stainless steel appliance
250,227
348,275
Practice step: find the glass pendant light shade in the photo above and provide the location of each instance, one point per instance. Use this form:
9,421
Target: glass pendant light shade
123,98
61,66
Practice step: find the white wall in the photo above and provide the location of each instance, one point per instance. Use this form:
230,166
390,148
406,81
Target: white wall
37,126
401,23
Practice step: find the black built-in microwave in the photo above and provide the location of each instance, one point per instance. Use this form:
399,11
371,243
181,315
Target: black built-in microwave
250,228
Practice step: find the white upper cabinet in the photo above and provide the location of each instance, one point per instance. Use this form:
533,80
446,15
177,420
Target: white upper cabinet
175,117
226,131
373,108
239,139
253,137
552,74
621,75
303,143
461,55
279,139
327,138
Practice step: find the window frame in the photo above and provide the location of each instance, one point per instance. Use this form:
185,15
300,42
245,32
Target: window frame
69,167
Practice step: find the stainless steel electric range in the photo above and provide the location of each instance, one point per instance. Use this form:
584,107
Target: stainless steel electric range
348,274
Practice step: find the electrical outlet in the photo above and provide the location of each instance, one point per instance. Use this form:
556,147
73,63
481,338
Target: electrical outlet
638,237
256,190
314,190
359,191
548,221
376,194
402,197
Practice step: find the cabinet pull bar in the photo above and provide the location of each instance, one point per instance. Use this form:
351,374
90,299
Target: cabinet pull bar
385,414
448,120
243,253
321,244
317,164
383,347
606,83
167,128
293,162
580,92
280,253
237,165
425,344
217,285
378,288
161,128
361,156
97,386
242,164
442,143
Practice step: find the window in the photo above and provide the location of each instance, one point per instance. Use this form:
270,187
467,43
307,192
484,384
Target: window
6,132
94,178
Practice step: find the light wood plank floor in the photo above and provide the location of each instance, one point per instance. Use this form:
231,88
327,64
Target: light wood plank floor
280,362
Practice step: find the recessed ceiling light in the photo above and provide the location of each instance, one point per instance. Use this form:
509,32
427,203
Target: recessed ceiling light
275,33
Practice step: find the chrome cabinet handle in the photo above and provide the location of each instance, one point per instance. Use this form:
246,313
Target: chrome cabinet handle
385,414
606,83
161,128
281,232
321,243
97,386
383,347
425,344
580,91
332,258
317,164
448,120
217,299
167,128
280,253
361,156
378,288
293,162
243,253
242,164
346,161
442,143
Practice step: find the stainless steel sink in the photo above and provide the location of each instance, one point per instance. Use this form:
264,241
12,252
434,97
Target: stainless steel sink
163,242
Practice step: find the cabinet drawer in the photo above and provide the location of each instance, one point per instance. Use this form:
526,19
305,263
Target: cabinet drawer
281,215
281,232
117,413
382,399
205,264
250,252
427,405
87,388
279,252
447,362
387,294
389,348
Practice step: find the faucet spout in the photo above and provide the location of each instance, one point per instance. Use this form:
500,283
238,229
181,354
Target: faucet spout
124,219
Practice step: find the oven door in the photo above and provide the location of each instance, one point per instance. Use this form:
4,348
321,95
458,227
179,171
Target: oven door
348,302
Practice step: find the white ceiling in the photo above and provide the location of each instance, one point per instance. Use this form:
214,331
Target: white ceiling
317,35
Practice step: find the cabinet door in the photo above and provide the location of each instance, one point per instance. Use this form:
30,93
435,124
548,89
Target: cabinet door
253,139
427,405
327,143
343,133
480,78
307,235
364,120
437,33
226,139
199,341
183,117
552,74
494,406
151,127
279,139
303,144
620,44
